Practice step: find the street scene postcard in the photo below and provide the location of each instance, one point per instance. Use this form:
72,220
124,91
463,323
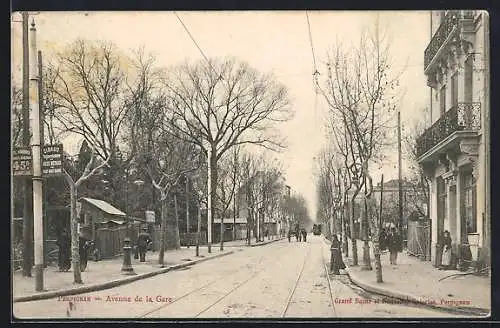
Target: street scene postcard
250,165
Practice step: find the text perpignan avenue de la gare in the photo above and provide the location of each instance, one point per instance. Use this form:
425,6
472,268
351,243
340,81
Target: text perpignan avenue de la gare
337,300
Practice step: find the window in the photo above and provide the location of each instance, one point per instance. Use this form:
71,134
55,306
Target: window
468,79
442,100
454,90
469,201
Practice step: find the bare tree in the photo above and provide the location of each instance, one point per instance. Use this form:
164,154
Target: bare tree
16,115
88,93
220,104
92,167
419,197
359,89
169,161
225,190
85,96
249,167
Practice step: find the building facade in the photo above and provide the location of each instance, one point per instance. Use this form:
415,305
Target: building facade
454,149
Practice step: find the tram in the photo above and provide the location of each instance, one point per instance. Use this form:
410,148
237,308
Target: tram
317,229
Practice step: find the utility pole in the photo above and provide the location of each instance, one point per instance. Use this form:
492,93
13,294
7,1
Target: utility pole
400,222
187,204
37,164
42,143
209,205
27,191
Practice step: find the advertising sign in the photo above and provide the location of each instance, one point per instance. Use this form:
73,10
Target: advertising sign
22,161
52,160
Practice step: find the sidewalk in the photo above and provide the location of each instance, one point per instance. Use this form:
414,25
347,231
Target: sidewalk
106,274
418,281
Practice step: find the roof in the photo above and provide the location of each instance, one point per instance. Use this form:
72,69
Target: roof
231,220
104,206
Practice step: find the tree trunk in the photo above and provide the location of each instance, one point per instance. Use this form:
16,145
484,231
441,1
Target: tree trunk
378,264
198,231
187,209
376,243
163,233
367,265
177,234
213,195
344,227
353,237
222,232
234,217
75,241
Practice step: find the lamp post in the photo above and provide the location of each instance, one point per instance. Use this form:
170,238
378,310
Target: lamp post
37,165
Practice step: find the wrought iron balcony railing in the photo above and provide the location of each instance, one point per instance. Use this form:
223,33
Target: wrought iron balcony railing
448,26
462,117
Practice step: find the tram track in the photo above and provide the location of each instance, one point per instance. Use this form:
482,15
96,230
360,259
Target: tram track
211,283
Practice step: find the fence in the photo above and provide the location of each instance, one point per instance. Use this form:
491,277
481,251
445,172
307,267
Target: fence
419,239
110,241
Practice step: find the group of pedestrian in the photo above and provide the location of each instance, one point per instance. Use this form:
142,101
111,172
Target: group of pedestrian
64,257
64,244
143,243
392,241
300,234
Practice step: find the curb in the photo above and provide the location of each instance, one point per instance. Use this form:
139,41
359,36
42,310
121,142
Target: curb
265,243
409,297
414,299
112,283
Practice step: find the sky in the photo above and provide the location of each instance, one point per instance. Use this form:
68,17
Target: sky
270,41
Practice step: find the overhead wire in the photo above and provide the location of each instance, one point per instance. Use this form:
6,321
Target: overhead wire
197,46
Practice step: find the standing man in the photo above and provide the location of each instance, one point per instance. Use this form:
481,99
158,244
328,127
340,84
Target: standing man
394,244
64,244
143,241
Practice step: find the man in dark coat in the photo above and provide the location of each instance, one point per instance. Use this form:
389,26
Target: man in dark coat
84,245
394,244
382,239
304,234
336,262
64,244
142,244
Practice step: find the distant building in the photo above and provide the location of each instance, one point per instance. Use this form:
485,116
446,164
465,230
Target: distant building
454,149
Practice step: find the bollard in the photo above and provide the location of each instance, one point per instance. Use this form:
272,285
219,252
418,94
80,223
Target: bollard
127,268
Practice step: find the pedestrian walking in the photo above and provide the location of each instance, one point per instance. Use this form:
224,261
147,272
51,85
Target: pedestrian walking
289,235
143,240
446,257
84,245
394,244
304,234
336,262
64,245
382,239
297,233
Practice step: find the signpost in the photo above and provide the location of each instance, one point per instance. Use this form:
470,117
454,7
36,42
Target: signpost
52,160
22,161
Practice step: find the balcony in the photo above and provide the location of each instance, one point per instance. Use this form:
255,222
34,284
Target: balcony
448,32
462,118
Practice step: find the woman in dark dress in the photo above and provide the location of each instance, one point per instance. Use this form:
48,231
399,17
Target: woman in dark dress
64,244
336,262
